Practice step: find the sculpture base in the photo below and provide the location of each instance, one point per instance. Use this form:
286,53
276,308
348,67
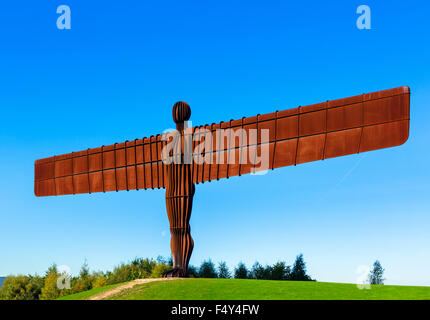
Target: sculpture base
175,273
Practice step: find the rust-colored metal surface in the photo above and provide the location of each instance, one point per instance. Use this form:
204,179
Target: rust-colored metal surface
316,132
179,201
122,166
325,130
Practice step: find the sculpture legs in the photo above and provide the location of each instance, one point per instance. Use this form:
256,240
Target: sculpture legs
179,200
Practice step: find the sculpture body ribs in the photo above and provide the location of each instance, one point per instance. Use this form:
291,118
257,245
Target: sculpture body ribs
179,203
179,200
315,132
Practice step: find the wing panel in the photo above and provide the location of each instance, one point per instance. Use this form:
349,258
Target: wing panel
315,132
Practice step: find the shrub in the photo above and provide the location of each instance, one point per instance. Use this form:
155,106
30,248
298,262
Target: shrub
159,269
34,287
121,273
21,288
137,269
99,281
142,268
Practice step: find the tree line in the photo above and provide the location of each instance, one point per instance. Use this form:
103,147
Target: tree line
35,287
278,271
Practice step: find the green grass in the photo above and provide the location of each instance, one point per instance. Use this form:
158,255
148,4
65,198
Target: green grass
231,289
84,295
237,289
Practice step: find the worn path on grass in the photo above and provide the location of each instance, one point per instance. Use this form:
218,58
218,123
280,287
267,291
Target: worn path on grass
129,285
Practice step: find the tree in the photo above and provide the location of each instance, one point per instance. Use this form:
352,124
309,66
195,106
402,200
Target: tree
146,266
241,272
142,268
257,271
376,274
207,269
21,288
121,273
223,271
192,272
280,271
85,270
299,270
267,273
159,269
85,280
50,291
168,261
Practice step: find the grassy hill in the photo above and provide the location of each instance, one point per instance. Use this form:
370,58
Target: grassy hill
84,295
231,289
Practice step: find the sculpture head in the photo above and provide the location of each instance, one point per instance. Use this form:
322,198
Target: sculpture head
181,112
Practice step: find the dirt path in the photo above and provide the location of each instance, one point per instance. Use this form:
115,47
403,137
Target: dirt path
128,285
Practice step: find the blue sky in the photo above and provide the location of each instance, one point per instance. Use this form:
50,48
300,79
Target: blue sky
62,91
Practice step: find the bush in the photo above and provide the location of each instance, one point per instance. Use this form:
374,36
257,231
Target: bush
34,287
142,268
159,269
99,281
121,273
138,269
21,288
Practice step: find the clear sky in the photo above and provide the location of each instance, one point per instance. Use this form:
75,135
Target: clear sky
115,76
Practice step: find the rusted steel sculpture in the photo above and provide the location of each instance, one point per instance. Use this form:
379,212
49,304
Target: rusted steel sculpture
316,132
179,199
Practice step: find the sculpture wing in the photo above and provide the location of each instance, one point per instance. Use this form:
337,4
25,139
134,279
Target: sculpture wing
123,166
316,132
